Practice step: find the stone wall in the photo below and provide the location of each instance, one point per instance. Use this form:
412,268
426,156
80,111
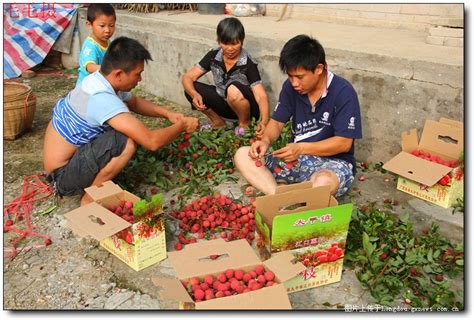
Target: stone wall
395,15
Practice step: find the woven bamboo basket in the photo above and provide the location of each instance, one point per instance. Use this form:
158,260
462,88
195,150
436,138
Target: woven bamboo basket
19,106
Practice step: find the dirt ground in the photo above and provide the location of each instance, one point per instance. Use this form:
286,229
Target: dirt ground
75,273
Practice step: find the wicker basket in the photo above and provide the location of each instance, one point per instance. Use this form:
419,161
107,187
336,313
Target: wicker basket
19,106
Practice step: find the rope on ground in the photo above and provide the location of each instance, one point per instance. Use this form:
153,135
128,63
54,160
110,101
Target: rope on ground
20,209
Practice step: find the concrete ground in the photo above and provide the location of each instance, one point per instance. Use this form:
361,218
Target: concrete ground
76,274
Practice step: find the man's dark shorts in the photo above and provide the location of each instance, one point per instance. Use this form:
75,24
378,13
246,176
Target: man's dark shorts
89,159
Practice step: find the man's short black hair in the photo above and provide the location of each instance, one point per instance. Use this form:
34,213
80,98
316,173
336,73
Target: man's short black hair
96,9
230,30
124,54
302,51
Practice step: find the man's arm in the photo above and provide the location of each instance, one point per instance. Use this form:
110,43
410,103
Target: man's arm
133,128
324,148
150,109
271,133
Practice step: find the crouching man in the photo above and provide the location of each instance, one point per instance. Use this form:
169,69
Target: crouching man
93,134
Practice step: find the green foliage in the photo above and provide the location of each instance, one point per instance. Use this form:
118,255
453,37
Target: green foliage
195,163
393,263
144,207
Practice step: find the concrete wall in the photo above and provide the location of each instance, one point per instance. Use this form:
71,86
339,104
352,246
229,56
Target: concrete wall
395,94
415,16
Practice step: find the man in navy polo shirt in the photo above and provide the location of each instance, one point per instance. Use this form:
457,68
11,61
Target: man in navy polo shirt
325,114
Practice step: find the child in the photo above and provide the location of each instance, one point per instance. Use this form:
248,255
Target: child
238,92
101,20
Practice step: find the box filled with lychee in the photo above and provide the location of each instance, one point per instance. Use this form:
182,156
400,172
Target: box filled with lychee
433,168
309,223
237,279
130,228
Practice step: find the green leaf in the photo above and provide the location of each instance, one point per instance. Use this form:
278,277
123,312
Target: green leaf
460,262
48,210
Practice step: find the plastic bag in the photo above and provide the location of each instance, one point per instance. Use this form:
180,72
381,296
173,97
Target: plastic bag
245,10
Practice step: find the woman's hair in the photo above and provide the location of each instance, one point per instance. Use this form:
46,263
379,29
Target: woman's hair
230,30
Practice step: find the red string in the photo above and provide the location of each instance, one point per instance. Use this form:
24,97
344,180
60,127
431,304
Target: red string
20,209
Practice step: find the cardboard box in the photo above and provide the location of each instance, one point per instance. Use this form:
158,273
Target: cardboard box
94,219
419,177
307,222
194,261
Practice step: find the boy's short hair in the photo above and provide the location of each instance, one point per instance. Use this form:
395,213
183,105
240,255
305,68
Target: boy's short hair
124,54
230,30
302,51
96,9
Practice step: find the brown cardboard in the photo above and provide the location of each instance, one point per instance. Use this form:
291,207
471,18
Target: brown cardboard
269,298
423,171
98,192
284,265
302,231
81,221
96,220
409,140
271,206
194,261
239,254
431,139
416,169
420,177
453,123
174,289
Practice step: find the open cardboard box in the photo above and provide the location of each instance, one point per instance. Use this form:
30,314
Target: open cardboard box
95,220
308,222
194,261
419,177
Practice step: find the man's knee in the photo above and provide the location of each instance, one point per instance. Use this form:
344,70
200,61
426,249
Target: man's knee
241,156
326,177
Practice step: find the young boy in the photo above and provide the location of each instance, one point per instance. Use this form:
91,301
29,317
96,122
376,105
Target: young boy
325,115
101,21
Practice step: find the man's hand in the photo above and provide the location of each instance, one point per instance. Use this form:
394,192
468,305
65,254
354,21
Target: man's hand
288,153
198,102
258,149
190,124
260,129
175,117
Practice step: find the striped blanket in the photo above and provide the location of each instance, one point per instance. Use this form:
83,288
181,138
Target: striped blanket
30,31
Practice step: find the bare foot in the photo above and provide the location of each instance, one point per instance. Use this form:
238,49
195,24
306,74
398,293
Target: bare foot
217,125
86,199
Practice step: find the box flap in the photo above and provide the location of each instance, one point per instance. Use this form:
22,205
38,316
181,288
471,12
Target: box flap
86,218
451,122
283,267
77,230
307,199
409,140
172,289
294,186
114,199
416,169
442,138
107,188
194,260
268,298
